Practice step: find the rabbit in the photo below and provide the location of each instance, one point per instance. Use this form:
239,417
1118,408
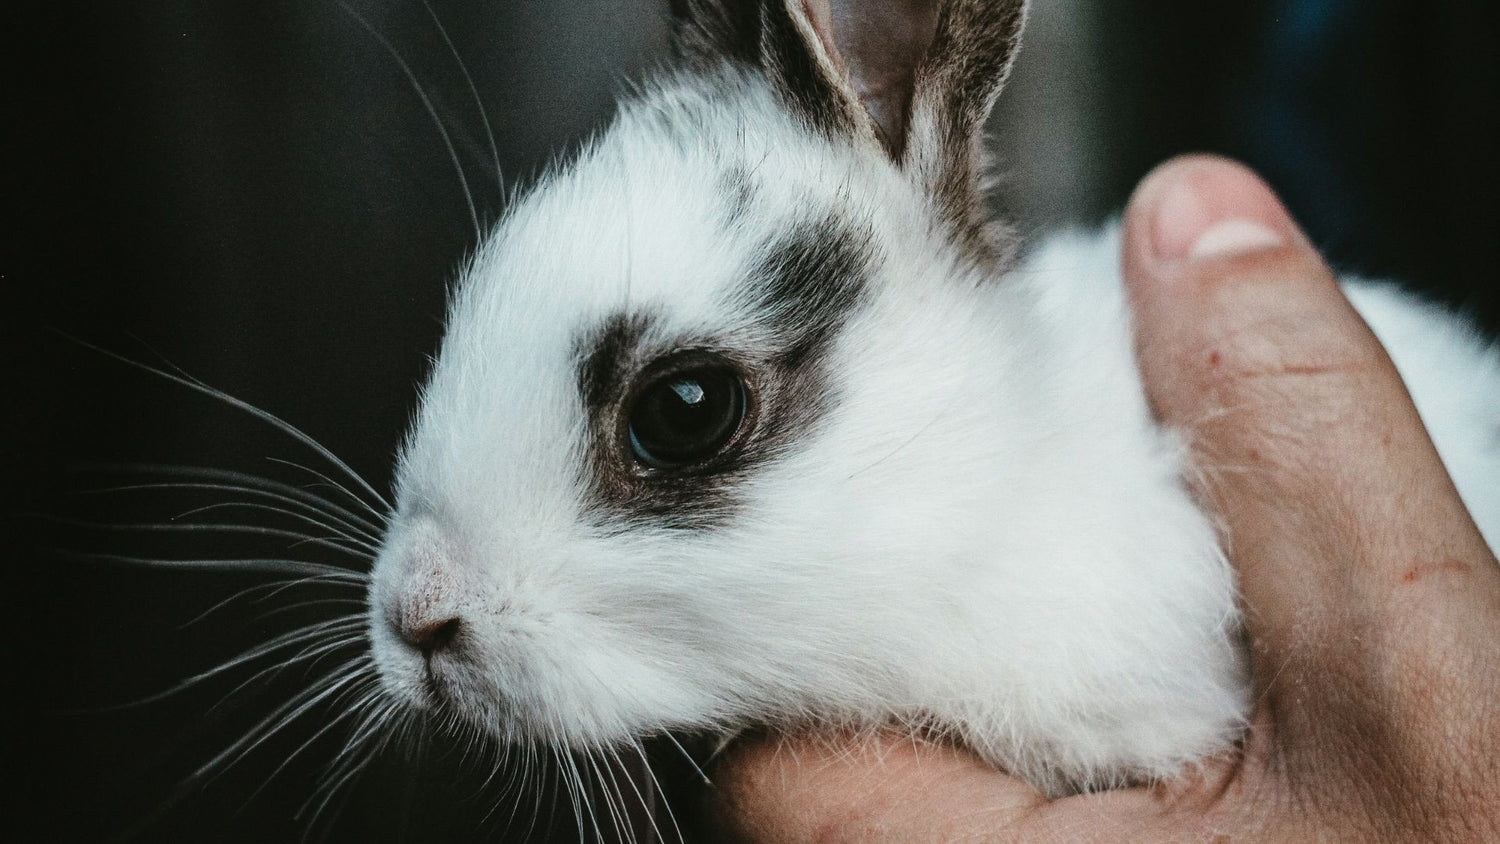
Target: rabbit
749,416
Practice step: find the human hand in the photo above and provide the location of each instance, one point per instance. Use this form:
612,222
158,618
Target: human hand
1371,601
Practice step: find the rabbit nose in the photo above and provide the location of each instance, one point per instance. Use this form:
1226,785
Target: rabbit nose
429,635
428,617
425,592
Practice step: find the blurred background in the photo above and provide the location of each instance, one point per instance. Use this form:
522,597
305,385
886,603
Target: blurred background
254,191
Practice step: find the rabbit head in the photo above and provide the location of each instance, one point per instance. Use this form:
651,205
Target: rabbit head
670,469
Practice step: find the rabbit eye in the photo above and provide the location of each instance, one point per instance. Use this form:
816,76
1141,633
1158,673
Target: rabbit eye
686,415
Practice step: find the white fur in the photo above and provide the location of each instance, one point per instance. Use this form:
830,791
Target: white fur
987,533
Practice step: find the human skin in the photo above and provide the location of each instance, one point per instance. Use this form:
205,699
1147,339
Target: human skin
1372,604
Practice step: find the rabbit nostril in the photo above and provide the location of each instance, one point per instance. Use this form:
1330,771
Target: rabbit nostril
430,637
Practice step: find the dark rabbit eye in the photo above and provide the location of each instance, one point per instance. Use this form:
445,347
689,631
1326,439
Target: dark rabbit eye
686,416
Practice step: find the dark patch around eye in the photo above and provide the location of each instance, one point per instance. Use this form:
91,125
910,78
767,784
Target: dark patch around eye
620,492
802,289
606,360
808,284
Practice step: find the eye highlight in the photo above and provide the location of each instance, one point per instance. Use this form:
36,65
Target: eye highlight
685,414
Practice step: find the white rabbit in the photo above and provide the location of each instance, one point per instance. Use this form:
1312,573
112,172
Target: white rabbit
748,416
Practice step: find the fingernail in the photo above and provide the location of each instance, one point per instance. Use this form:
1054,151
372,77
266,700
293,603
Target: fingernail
1214,210
1234,236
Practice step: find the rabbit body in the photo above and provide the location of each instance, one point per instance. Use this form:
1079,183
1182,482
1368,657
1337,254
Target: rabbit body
947,506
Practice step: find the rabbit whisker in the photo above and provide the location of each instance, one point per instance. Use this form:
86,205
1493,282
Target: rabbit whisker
233,481
204,527
357,540
484,117
272,589
265,416
335,485
437,121
258,565
329,687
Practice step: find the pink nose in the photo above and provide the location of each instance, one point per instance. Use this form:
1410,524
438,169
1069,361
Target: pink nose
429,635
425,598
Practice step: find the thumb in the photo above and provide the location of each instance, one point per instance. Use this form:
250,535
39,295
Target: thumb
1304,439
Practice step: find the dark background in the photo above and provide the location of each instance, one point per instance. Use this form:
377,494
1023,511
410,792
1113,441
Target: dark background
252,191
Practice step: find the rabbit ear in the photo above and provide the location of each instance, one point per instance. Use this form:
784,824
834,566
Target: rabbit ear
916,76
788,40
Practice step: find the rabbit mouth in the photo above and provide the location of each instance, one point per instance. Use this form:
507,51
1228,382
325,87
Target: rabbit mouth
434,689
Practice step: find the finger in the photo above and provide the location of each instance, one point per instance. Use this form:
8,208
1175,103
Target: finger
1305,440
872,788
889,787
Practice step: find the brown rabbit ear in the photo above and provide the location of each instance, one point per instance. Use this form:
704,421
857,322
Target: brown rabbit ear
783,38
956,85
848,68
916,76
879,48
